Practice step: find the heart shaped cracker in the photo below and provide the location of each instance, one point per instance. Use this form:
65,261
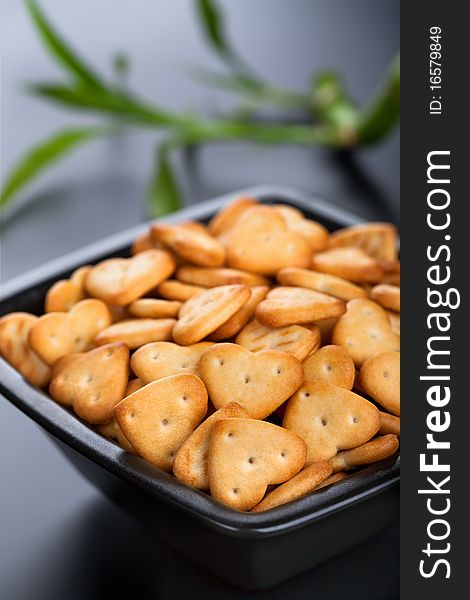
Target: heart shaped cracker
175,290
204,313
329,418
247,455
193,244
120,281
153,308
214,277
191,460
161,359
237,321
321,282
331,364
373,451
63,294
227,216
159,417
379,240
380,379
364,330
15,348
92,382
259,382
57,334
285,306
348,263
296,340
136,332
387,296
301,484
260,242
314,233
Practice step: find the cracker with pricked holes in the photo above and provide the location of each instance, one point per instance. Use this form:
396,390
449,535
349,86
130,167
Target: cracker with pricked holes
314,233
120,281
159,417
364,330
154,308
236,322
348,263
380,379
92,382
227,216
379,240
373,451
331,364
190,464
285,306
387,296
63,294
175,290
296,340
247,455
213,277
193,244
259,382
201,315
57,334
260,242
16,350
300,485
329,418
161,359
137,332
320,282
389,424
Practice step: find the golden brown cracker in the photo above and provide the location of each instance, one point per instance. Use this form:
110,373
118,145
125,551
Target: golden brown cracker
296,340
331,364
137,332
159,417
191,460
300,485
329,418
285,306
364,330
92,382
247,455
259,382
161,359
120,281
204,313
16,350
380,379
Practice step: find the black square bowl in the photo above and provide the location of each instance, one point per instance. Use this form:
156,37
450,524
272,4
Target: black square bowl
251,551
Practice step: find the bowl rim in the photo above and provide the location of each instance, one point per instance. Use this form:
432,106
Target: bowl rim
75,433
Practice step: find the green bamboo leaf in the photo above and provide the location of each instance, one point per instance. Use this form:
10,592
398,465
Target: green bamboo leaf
384,112
108,101
43,155
60,49
212,23
163,195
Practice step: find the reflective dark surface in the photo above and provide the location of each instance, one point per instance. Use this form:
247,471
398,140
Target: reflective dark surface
59,537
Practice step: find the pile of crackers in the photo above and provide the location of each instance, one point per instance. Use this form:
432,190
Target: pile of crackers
227,353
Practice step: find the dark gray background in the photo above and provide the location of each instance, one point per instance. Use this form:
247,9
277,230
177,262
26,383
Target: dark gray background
59,537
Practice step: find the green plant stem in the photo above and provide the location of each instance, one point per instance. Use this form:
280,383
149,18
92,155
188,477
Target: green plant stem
381,116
